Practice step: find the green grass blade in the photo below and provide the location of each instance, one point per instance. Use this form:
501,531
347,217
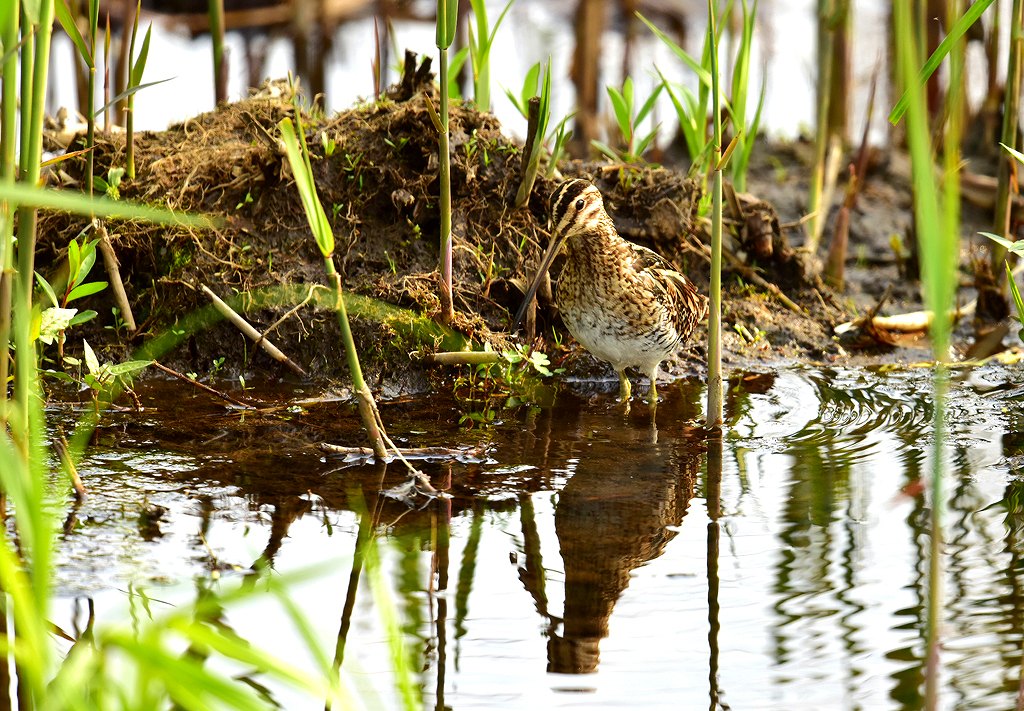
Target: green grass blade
958,30
322,231
647,105
81,204
66,20
1015,292
702,74
1016,247
1013,152
140,63
621,110
130,91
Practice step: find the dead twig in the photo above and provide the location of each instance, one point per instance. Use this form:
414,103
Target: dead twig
749,274
462,454
113,268
247,328
202,386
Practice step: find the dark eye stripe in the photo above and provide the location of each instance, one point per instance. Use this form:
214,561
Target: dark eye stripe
564,196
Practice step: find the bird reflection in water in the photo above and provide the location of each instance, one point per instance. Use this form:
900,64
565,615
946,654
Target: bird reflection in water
613,516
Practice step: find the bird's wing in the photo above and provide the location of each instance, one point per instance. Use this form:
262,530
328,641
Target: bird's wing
669,283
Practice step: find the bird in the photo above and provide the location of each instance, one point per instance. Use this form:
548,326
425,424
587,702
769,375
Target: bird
624,303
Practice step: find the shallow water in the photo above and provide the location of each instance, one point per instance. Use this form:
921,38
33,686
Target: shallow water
582,564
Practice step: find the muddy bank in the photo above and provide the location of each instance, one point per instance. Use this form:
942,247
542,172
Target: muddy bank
376,170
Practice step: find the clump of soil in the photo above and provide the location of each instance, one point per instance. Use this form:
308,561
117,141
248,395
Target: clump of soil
376,171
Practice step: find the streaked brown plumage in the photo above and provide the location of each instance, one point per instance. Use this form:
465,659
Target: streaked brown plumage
624,303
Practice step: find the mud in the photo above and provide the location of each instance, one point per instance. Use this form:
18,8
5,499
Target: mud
376,171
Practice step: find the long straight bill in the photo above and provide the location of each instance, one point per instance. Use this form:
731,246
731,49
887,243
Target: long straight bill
545,264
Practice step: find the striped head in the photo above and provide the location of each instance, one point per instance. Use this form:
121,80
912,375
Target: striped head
576,207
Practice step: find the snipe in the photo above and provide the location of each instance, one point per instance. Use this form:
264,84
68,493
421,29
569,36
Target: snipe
626,304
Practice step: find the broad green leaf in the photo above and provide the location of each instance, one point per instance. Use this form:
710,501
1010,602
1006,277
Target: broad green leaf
82,317
83,290
74,256
129,366
47,289
88,261
53,321
92,363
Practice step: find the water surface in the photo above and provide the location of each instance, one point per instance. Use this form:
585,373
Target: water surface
588,559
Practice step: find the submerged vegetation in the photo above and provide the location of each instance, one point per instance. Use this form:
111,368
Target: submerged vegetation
425,216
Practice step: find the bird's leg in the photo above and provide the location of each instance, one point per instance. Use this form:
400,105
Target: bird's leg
624,387
652,396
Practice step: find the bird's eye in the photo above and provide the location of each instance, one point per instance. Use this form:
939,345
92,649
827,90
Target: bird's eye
579,204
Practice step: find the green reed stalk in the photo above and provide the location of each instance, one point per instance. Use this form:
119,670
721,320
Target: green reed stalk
298,159
1008,136
714,413
538,113
447,16
816,195
86,47
841,29
215,10
37,28
8,171
136,70
936,213
480,41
